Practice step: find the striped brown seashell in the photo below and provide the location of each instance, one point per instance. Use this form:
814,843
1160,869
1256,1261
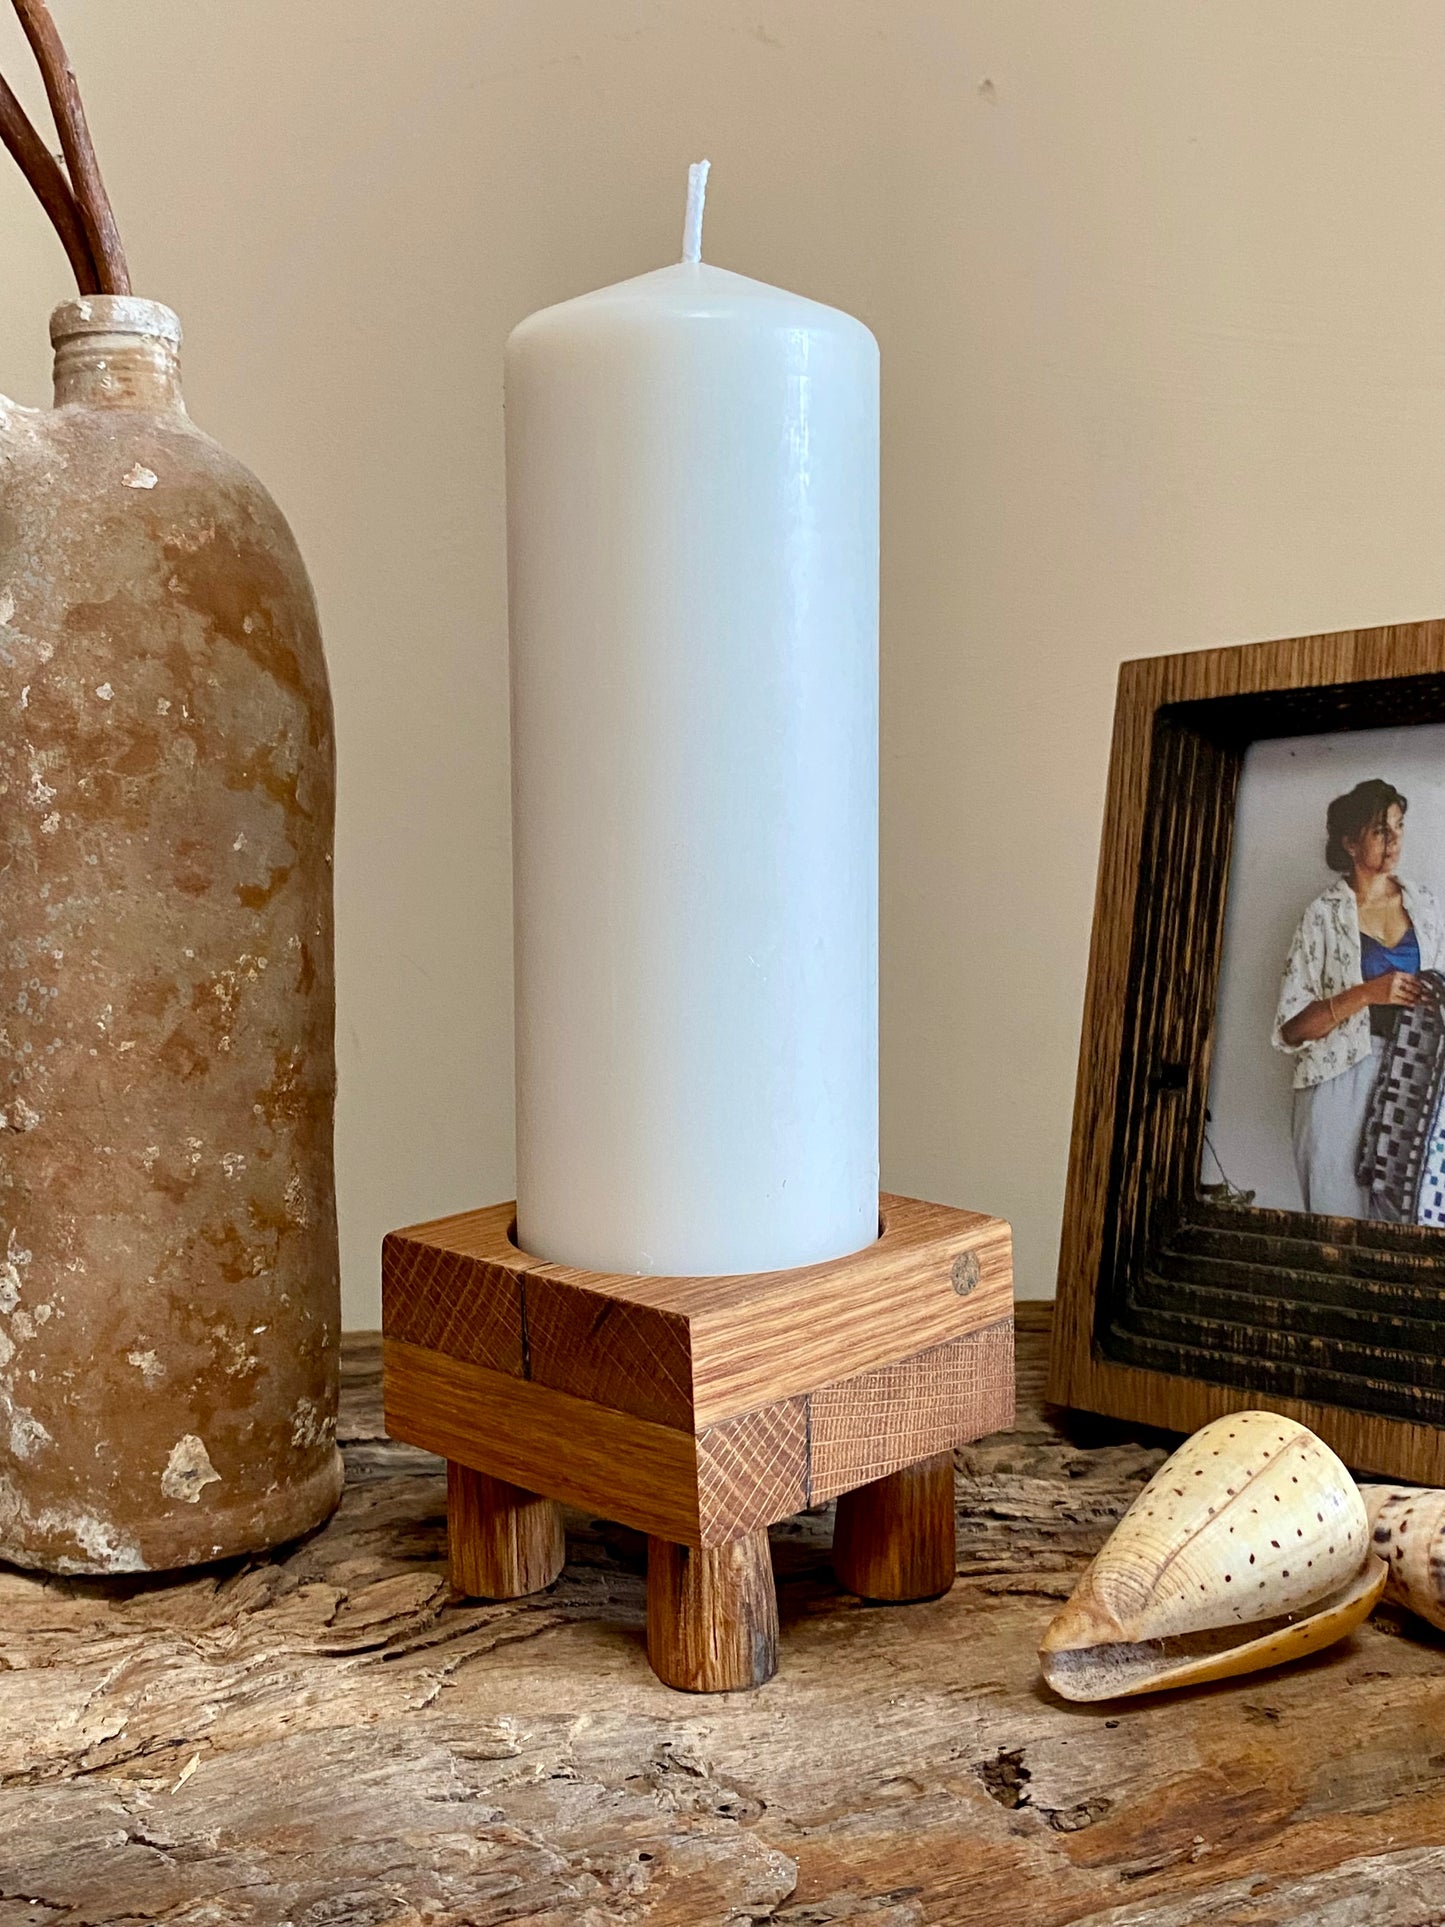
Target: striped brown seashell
1249,1547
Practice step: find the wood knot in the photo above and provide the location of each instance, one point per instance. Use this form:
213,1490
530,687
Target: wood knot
965,1273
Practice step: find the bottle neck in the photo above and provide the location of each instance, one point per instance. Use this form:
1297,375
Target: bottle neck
117,351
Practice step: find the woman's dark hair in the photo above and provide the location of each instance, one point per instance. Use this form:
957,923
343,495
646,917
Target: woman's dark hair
1355,812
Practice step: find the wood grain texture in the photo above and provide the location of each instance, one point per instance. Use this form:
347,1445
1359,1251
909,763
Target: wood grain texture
935,1274
729,1479
641,1474
503,1542
1172,1308
893,1539
481,1323
753,1470
330,1735
637,1358
873,1424
694,1351
712,1615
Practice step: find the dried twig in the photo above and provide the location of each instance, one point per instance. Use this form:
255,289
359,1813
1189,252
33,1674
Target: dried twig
65,104
43,172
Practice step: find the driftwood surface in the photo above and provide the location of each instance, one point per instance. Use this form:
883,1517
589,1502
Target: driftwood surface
328,1736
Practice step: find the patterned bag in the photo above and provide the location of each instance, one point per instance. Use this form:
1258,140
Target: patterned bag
1402,1147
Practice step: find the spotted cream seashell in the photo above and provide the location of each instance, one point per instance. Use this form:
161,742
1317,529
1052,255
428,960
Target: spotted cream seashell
1248,1547
1407,1530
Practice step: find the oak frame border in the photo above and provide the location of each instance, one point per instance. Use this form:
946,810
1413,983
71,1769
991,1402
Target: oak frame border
1133,1205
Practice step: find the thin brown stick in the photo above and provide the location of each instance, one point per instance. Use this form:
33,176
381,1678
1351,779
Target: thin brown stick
43,173
64,96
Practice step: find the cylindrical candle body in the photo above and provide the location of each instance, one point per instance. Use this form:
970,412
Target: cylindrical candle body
692,482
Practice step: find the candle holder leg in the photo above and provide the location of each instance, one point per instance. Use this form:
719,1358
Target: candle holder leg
502,1541
894,1539
712,1614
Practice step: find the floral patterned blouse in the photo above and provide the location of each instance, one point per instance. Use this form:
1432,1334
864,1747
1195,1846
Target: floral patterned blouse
1324,959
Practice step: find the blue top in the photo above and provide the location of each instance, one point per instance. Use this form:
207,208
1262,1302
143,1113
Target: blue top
1375,960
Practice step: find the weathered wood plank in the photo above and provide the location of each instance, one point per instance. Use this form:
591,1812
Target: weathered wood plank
371,1750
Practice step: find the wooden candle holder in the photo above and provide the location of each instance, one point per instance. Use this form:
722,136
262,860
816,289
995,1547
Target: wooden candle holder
701,1411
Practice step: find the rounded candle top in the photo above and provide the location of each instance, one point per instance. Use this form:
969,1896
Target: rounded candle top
691,290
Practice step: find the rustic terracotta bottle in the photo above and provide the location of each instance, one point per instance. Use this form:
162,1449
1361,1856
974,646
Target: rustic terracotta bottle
168,1267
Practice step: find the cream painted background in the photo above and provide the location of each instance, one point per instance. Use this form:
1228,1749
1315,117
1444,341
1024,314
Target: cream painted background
1160,289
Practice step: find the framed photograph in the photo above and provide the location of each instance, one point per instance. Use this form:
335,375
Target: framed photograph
1256,1197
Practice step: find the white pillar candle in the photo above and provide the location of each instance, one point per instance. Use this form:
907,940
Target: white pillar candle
692,515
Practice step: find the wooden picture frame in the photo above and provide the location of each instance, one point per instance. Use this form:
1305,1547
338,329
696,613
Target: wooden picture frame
1173,1307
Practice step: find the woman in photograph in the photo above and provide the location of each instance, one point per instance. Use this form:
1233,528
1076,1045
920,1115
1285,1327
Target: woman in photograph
1354,964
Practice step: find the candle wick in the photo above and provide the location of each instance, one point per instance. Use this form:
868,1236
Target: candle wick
692,222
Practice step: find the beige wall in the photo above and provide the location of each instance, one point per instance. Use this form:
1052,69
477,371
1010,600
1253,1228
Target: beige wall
1160,288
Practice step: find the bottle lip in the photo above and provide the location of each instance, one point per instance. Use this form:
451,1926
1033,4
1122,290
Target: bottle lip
114,314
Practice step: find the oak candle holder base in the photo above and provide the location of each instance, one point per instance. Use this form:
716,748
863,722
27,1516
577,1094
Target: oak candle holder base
700,1411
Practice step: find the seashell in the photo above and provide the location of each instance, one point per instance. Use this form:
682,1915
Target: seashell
1407,1531
1250,1546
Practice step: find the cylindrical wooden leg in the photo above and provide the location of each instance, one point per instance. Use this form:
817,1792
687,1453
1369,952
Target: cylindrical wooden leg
502,1541
712,1615
894,1539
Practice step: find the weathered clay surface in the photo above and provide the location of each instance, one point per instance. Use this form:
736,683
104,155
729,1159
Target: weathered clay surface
168,1271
